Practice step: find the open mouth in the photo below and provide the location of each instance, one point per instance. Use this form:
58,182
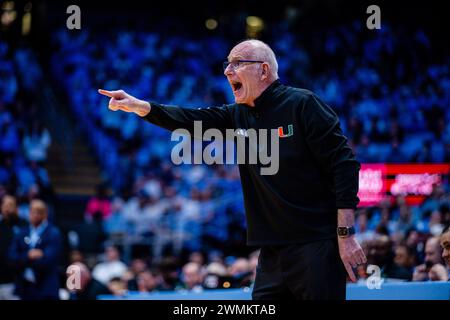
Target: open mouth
236,86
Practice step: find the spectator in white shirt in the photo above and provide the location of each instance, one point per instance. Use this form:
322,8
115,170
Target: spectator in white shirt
111,268
36,143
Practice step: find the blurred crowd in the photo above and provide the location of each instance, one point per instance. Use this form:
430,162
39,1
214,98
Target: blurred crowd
33,264
158,221
24,140
406,244
389,88
154,226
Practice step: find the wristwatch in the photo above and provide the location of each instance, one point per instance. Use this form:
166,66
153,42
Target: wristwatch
345,232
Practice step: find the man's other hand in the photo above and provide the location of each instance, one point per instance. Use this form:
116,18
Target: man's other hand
120,100
351,254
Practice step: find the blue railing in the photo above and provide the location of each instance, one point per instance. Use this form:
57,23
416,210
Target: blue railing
388,291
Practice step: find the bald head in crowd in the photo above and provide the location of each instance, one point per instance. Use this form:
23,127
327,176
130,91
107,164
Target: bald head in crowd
251,69
192,274
433,251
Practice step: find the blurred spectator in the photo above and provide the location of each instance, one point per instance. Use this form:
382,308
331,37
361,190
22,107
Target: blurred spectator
142,213
10,225
215,276
117,286
192,276
35,252
433,251
405,257
435,225
111,268
168,268
90,236
116,225
241,273
445,244
216,256
197,257
36,142
146,281
433,201
433,257
136,267
380,254
76,256
9,138
396,154
404,221
363,234
413,240
100,203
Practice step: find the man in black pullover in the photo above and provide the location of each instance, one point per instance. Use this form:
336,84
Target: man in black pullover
302,216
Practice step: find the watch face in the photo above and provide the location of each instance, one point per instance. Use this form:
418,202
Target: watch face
345,231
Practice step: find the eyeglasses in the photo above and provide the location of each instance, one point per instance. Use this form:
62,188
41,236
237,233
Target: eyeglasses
237,63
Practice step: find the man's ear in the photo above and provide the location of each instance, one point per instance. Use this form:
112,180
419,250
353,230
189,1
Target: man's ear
265,71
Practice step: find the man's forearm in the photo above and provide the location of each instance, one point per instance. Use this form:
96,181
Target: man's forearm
346,217
173,117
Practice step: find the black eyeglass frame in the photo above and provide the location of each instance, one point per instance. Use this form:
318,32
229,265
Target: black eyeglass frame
227,63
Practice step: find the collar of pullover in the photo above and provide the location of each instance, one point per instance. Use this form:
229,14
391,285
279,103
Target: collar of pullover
263,100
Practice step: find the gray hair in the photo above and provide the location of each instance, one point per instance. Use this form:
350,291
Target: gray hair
266,54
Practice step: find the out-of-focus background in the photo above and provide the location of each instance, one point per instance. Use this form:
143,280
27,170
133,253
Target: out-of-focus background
142,224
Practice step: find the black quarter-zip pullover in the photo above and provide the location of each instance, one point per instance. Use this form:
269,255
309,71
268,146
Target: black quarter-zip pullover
317,175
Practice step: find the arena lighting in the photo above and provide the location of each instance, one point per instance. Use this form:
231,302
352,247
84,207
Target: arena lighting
9,14
26,19
254,26
211,24
8,6
254,21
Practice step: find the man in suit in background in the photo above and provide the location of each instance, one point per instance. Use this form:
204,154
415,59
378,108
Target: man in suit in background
10,224
35,252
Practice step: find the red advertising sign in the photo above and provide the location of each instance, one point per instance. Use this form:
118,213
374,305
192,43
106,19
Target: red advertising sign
414,181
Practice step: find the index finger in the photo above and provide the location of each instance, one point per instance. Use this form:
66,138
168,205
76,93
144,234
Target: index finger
107,93
350,271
